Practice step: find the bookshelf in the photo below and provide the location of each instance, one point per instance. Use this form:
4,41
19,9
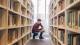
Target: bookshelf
65,28
14,22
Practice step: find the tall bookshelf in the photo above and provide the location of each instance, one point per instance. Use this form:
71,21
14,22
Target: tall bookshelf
15,26
65,22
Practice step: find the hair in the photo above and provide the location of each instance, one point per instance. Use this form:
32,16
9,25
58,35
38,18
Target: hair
38,19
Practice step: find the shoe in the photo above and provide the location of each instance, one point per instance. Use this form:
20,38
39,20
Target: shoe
41,38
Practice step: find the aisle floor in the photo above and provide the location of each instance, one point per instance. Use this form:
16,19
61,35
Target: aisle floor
45,41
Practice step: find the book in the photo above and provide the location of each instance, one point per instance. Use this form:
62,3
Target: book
69,21
1,37
79,18
1,2
59,34
11,4
76,19
16,33
70,38
10,20
22,31
10,35
55,21
1,14
16,6
78,40
61,20
62,36
14,19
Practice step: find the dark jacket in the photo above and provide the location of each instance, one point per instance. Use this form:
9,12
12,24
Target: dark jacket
36,26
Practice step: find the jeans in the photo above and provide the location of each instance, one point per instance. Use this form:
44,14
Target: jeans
36,33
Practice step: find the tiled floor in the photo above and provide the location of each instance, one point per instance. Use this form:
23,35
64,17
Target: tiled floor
45,41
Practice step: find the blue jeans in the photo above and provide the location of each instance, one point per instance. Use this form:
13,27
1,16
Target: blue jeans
36,33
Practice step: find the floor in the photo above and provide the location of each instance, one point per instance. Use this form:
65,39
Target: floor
45,41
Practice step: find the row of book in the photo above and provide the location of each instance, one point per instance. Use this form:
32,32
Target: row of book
73,19
61,35
13,19
22,41
61,20
73,38
29,14
16,33
12,35
23,11
14,5
61,5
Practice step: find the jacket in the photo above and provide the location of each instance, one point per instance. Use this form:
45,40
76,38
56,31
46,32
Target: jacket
36,26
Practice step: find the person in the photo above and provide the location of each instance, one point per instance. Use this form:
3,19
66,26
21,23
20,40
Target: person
37,27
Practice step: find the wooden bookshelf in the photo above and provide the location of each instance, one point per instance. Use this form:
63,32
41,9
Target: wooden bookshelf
15,25
66,22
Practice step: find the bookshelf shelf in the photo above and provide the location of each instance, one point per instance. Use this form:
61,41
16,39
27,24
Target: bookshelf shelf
14,22
66,20
1,6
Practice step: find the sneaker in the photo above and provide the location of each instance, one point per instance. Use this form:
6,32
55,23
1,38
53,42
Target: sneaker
41,38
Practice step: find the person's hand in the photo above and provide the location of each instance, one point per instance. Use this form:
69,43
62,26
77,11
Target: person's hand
39,27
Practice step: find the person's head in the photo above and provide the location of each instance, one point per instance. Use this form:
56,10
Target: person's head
38,21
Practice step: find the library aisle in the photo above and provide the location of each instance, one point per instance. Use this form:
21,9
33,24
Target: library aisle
46,41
